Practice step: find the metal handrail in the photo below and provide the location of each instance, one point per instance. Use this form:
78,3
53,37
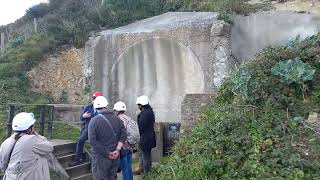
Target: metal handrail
42,107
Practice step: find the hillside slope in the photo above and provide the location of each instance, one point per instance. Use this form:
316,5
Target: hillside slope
62,24
259,125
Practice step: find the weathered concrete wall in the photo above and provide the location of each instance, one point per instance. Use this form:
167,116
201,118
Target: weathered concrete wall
251,34
68,113
164,57
61,72
191,109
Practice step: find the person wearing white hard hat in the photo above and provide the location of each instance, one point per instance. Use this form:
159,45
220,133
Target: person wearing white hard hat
23,155
107,135
132,139
146,120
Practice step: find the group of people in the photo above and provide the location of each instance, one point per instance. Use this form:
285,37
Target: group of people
111,133
111,138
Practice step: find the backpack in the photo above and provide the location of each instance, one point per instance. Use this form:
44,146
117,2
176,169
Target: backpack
133,135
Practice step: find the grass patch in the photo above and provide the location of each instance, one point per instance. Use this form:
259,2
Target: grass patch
63,131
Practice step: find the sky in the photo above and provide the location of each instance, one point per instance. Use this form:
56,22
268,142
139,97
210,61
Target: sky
11,10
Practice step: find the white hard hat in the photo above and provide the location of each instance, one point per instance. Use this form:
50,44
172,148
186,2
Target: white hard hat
119,106
23,121
143,100
100,102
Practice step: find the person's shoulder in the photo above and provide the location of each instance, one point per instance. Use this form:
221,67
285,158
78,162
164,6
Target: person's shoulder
88,106
95,118
9,140
147,112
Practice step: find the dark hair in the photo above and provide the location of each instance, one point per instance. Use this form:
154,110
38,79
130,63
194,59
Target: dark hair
146,106
120,112
27,131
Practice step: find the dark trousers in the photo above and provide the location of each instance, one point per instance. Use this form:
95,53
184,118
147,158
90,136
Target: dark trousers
80,144
146,159
104,168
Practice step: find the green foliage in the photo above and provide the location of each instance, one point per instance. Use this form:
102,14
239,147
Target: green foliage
71,22
64,97
38,11
263,137
14,64
242,83
16,42
293,71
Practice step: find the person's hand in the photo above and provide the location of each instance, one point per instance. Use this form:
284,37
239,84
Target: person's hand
86,115
114,154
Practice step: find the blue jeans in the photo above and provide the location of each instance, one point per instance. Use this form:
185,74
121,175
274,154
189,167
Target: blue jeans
80,144
126,166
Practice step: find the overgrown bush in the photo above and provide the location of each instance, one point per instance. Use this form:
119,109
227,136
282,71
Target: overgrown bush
263,137
16,62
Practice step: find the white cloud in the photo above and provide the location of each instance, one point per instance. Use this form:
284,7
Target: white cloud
11,10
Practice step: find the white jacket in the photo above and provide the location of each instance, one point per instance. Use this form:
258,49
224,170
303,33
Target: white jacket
28,159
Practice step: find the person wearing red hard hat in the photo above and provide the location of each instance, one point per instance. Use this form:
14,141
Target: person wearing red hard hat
87,114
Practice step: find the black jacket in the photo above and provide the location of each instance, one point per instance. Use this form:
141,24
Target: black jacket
146,122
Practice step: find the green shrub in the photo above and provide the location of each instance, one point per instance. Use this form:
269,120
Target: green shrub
64,97
266,136
293,71
243,83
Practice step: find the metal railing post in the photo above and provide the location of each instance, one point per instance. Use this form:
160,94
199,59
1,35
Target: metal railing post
50,121
42,119
12,109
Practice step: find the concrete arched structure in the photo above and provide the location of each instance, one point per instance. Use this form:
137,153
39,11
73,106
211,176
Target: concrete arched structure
162,69
150,53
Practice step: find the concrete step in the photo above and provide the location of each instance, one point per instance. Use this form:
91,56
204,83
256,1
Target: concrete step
66,159
64,149
83,177
79,170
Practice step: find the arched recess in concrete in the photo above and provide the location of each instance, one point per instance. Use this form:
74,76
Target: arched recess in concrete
162,69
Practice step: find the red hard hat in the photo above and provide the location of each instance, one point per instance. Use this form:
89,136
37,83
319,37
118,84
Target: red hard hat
96,94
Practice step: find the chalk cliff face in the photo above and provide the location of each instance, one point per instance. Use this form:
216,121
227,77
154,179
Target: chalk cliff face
251,34
164,57
61,73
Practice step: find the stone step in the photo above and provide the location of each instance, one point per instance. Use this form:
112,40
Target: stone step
66,159
64,149
83,177
79,170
